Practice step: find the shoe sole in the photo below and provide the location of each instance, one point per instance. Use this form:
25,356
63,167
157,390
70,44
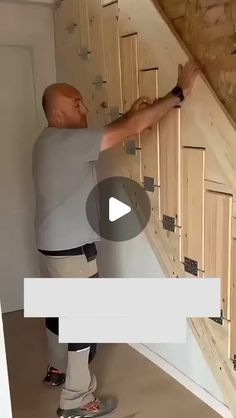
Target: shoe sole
77,413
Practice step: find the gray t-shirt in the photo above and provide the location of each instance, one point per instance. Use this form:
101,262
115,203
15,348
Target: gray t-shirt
64,174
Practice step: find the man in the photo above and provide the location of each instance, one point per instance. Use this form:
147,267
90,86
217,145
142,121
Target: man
64,174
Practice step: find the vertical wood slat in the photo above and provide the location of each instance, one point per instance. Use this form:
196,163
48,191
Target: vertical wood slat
149,139
218,213
130,93
96,37
232,326
170,159
129,70
192,237
111,42
83,21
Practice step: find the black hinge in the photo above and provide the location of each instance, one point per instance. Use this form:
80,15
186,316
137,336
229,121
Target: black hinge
149,184
131,147
234,361
168,223
219,320
191,266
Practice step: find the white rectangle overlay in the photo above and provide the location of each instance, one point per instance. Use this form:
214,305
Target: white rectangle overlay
129,330
122,297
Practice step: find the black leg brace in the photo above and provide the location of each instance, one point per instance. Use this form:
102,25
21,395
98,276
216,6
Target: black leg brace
52,324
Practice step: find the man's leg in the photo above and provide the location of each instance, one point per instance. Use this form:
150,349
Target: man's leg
57,353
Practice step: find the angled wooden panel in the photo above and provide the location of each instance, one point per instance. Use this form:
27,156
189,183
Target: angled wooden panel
111,42
232,328
129,70
170,149
149,139
218,212
193,169
84,33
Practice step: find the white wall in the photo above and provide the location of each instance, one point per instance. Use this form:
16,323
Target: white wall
28,55
32,25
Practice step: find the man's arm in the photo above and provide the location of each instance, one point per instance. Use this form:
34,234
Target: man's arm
142,114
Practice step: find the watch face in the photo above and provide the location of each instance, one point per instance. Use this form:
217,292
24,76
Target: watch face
177,91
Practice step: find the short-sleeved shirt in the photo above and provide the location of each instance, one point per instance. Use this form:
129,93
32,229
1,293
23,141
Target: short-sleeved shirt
64,174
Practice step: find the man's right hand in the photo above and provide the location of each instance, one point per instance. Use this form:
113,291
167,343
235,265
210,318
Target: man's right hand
187,77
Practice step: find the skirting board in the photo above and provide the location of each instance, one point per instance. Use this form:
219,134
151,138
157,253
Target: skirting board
189,384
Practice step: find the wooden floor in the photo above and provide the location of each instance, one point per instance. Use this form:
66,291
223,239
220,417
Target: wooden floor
143,390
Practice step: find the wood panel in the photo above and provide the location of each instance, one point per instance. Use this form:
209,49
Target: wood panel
149,139
84,32
130,93
170,149
232,328
129,70
193,164
218,212
112,59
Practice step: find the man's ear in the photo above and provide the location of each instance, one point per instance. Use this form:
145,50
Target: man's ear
57,117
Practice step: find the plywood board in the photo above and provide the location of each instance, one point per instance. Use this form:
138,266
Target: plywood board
111,42
193,169
218,212
232,328
149,139
170,149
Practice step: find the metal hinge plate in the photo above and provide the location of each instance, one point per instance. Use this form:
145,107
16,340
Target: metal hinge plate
99,82
149,184
114,113
168,223
234,361
191,266
219,320
84,53
131,148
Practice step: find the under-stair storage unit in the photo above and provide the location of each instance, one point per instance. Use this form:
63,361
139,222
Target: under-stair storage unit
186,163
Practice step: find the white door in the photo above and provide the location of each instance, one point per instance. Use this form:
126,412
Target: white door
18,130
27,65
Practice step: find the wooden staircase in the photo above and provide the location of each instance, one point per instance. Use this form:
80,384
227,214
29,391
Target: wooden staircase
187,163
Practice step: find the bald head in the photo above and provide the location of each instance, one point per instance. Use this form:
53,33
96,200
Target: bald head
63,106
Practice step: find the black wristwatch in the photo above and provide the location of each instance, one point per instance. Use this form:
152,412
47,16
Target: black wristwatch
178,92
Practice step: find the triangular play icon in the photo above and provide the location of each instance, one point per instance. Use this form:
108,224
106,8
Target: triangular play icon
117,209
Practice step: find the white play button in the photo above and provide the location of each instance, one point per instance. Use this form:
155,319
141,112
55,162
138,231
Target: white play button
117,209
